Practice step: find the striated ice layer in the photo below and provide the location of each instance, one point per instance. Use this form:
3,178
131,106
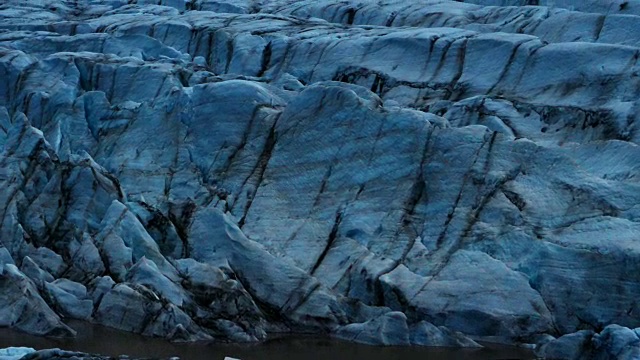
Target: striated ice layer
427,173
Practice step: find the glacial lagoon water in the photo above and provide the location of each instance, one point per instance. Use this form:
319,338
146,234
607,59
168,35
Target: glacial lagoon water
101,340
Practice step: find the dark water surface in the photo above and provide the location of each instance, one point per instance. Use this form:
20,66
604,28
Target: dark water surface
106,341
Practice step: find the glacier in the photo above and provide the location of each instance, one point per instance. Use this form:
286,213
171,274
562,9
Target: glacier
433,172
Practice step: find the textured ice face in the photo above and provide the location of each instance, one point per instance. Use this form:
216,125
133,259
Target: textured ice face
384,172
